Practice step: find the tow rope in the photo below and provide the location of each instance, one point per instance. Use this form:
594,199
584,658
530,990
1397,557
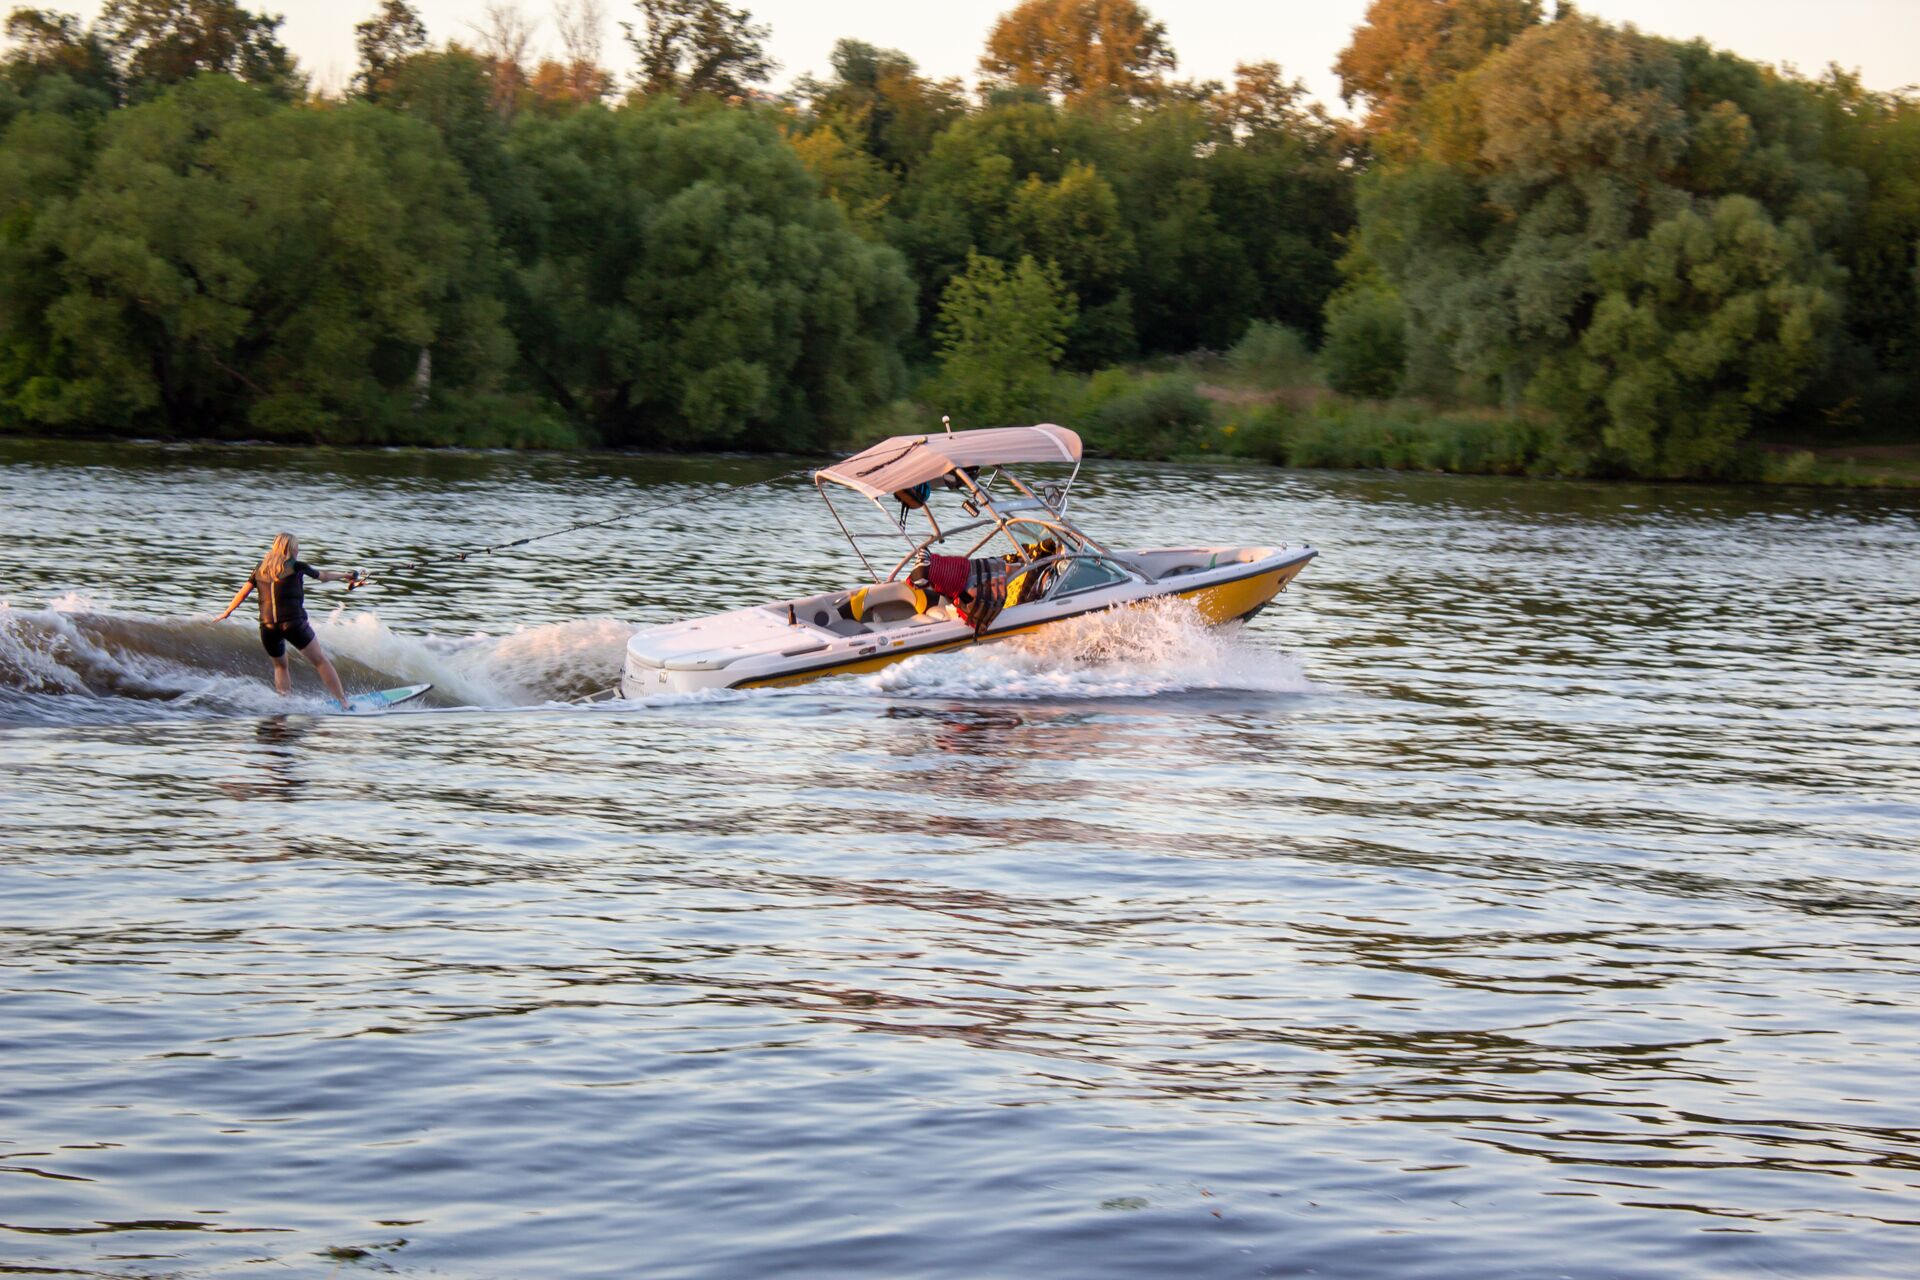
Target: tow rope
408,566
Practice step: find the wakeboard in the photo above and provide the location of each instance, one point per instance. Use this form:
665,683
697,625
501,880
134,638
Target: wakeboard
362,704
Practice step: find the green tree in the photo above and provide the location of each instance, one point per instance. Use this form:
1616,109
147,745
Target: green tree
958,200
385,41
1074,224
1078,49
1289,211
156,43
878,104
1192,283
1010,182
680,281
899,110
1556,158
1176,223
1001,333
692,47
233,266
867,126
851,177
1577,135
47,45
451,89
1713,320
1879,136
1237,200
44,157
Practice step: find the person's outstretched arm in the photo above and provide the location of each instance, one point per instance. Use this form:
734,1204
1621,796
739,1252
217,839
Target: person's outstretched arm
238,596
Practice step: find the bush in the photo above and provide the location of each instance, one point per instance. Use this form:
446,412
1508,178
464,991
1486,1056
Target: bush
1095,390
1273,355
1366,348
1263,432
1157,417
498,421
1410,437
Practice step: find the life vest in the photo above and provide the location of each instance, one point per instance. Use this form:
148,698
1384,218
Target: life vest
283,600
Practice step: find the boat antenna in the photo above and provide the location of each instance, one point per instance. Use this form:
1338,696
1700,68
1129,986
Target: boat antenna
947,422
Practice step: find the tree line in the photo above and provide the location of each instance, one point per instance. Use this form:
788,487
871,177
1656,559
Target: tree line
1655,250
1662,247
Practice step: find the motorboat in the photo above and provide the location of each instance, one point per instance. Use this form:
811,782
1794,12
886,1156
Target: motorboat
1024,564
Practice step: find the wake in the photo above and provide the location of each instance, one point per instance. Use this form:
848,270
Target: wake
78,662
75,661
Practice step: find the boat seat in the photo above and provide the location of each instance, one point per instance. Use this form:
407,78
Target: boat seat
821,612
887,602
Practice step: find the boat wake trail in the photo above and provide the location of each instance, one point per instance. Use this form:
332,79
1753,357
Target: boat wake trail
1158,647
76,661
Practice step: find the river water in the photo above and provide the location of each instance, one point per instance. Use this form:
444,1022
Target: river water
1531,892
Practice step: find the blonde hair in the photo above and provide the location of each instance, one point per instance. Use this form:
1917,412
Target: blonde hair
273,565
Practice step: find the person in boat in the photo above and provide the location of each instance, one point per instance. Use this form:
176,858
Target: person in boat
283,612
977,588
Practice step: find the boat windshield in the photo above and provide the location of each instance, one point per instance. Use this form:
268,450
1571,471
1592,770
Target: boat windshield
1085,575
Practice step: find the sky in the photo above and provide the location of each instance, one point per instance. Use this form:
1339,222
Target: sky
1878,38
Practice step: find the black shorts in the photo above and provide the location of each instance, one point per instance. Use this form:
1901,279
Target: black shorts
274,639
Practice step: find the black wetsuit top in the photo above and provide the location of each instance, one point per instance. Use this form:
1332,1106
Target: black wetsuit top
283,601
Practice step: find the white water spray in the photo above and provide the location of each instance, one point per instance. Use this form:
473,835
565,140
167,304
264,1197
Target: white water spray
1161,646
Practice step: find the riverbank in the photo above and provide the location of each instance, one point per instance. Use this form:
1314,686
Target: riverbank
1268,399
1263,405
1345,436
1328,431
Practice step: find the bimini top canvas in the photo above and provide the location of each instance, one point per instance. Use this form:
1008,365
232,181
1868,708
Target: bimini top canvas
901,462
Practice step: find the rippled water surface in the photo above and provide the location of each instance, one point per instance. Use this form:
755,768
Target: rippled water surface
1531,892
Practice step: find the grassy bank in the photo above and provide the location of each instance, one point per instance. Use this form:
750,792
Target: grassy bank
1265,400
1853,466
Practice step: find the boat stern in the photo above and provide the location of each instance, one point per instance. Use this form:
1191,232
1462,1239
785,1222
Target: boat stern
685,657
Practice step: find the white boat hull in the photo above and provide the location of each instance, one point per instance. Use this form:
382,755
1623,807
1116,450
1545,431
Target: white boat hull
789,642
